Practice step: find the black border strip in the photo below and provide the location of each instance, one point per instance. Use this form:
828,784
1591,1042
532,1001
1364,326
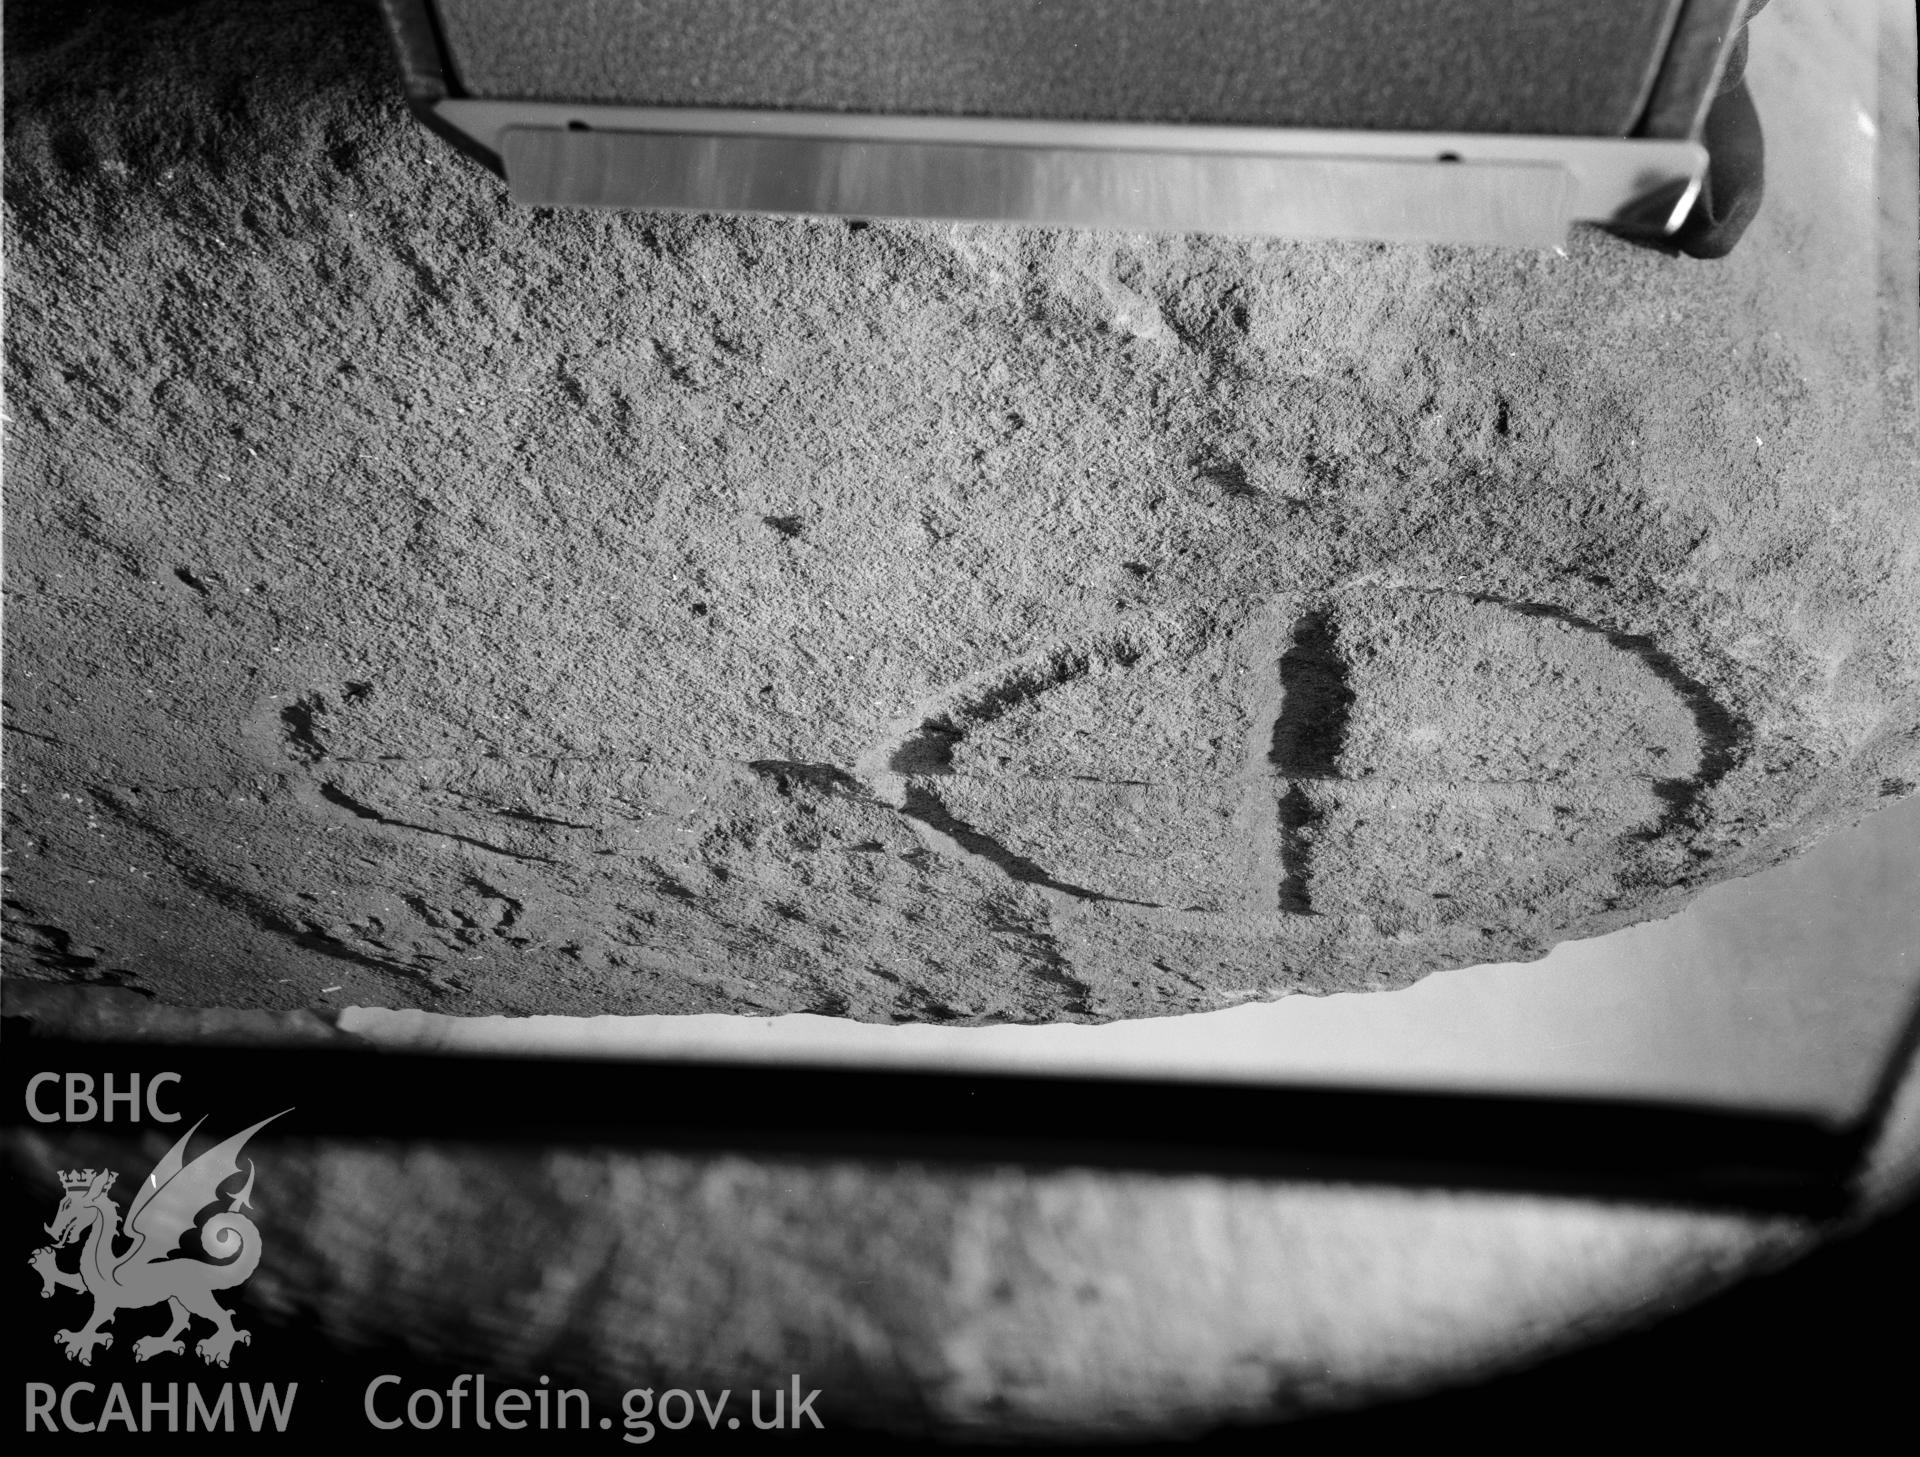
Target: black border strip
1640,1151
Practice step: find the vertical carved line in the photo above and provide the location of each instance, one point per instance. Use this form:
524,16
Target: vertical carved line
1309,734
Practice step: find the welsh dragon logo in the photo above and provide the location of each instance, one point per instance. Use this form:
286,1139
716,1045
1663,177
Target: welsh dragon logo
121,1276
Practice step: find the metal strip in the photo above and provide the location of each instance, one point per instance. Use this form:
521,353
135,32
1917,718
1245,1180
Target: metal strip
1391,186
1690,71
1315,197
426,78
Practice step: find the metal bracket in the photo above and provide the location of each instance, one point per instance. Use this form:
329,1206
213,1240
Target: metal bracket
1385,186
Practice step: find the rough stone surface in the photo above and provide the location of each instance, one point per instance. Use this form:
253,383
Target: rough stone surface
432,603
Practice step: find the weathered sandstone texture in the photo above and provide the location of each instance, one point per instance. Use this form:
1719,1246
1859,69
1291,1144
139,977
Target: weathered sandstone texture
490,610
